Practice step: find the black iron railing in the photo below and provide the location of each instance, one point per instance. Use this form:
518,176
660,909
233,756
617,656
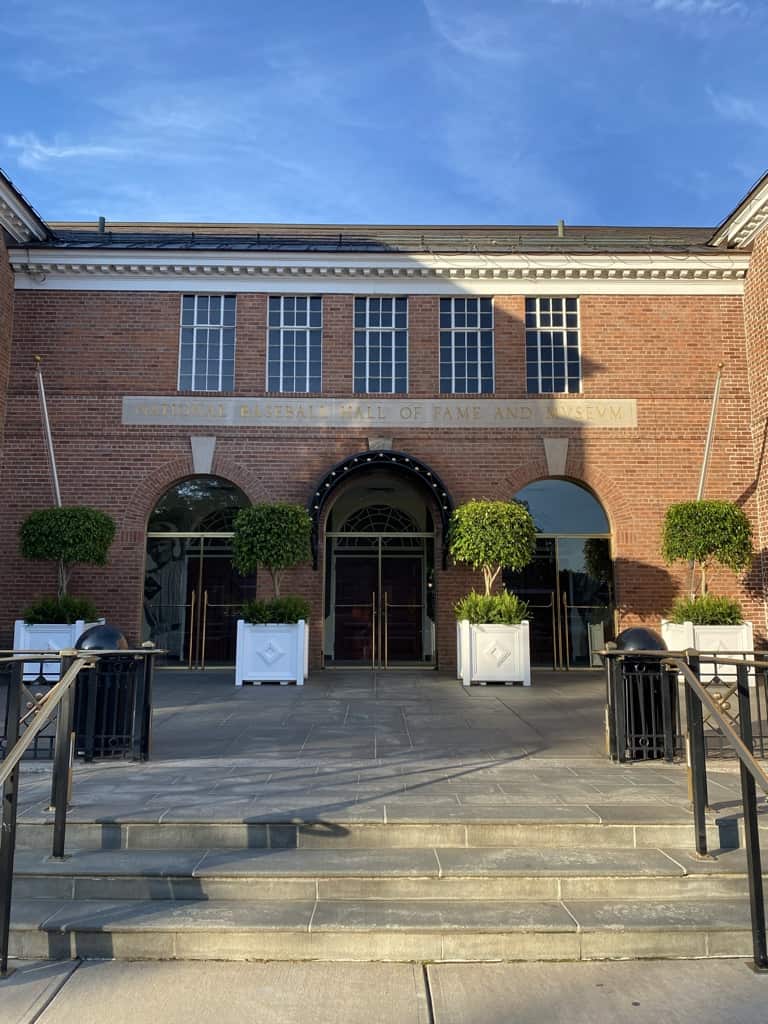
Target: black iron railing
718,696
27,716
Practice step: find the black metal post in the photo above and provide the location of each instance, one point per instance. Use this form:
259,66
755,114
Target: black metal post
752,836
138,715
668,683
697,758
10,808
149,678
620,709
610,704
62,765
90,694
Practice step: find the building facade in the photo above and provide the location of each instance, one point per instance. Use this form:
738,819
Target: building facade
380,376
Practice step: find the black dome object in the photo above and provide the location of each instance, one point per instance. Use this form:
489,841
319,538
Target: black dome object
638,638
102,637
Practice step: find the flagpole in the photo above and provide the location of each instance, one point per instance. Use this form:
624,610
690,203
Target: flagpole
707,454
47,430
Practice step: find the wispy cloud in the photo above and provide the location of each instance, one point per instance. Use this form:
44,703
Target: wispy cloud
738,109
32,152
480,34
694,8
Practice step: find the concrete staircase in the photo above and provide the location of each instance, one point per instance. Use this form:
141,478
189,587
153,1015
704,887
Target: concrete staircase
544,885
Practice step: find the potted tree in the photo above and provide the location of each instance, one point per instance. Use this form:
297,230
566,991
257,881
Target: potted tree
492,635
705,533
272,636
67,536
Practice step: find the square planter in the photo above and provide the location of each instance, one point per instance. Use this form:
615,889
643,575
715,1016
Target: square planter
271,653
44,636
680,636
492,653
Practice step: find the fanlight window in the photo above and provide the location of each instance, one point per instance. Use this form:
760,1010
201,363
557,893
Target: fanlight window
199,504
561,507
379,519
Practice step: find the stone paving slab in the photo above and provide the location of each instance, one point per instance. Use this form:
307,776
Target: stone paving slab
707,992
280,993
177,915
440,915
32,986
634,915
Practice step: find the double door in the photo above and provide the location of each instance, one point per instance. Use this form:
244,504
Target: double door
192,599
378,609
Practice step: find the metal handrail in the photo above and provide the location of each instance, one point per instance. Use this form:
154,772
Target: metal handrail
60,697
52,701
687,666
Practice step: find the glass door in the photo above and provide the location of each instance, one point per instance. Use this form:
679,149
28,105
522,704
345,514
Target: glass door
379,598
568,587
192,599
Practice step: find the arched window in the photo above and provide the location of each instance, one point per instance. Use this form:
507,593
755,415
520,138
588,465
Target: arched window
559,506
199,504
569,583
192,595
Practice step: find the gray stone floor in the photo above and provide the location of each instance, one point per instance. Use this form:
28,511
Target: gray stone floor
381,747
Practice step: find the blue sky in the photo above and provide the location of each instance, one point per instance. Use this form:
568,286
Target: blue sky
410,111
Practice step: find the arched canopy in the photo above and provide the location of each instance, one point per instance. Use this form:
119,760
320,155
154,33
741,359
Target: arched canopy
561,507
198,504
368,462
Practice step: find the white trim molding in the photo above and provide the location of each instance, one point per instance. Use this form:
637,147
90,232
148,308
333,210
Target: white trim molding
746,222
18,218
721,272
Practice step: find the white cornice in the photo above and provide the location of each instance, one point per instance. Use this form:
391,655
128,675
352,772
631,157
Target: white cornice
747,220
94,270
19,220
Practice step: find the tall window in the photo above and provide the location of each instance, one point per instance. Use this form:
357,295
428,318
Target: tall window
552,355
466,346
207,347
381,345
294,348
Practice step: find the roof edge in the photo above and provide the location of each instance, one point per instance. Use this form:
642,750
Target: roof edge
742,226
18,217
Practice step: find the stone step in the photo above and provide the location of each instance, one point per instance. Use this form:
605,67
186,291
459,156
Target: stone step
633,827
483,873
395,930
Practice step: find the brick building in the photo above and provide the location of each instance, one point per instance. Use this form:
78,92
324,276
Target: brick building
380,375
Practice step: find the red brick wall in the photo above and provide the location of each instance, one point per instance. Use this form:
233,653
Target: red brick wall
756,327
6,332
99,346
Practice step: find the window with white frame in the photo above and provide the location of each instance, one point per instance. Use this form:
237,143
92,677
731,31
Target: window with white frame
294,343
552,350
466,346
381,345
207,345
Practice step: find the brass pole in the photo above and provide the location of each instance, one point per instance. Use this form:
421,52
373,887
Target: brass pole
191,628
202,635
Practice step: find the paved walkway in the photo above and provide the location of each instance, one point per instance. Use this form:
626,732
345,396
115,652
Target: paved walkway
704,992
412,747
350,746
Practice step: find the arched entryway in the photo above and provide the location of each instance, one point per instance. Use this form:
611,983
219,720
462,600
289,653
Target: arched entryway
192,595
569,583
385,515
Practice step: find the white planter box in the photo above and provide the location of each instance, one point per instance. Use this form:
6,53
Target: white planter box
491,653
681,636
272,653
52,636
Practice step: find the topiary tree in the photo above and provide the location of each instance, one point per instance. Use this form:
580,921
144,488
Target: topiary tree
707,532
491,535
68,536
273,537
